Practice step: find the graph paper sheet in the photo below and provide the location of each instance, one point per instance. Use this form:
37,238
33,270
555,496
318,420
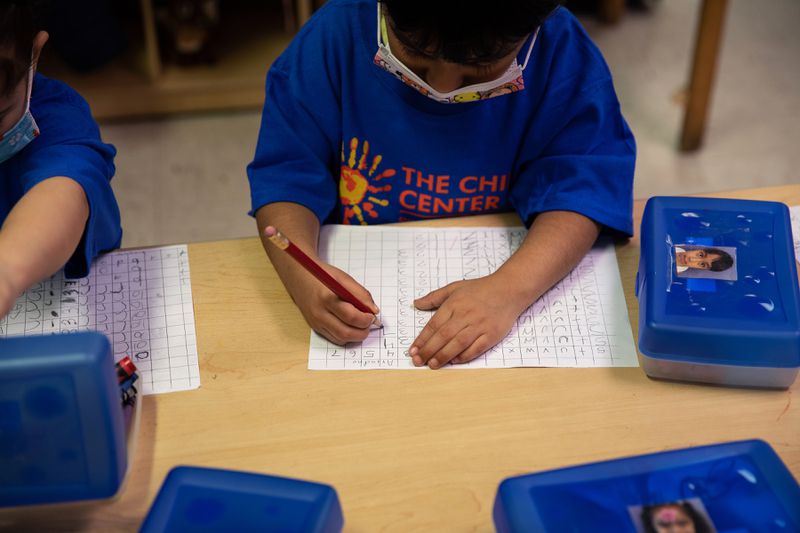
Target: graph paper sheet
140,299
581,322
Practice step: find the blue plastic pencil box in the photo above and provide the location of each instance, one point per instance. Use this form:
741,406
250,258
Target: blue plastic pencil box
735,487
718,292
208,499
62,433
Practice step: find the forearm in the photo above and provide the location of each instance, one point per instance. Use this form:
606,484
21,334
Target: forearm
300,225
42,231
555,244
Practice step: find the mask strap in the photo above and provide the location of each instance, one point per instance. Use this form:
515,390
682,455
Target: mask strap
30,88
379,26
530,49
385,33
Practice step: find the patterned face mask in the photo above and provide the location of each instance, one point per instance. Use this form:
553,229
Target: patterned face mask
21,133
508,83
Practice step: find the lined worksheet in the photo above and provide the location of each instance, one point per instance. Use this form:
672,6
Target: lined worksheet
581,322
140,299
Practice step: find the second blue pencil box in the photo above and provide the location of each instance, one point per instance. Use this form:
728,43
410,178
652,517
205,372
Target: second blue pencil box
209,499
718,292
736,487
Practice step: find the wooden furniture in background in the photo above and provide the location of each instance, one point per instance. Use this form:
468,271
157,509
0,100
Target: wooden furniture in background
611,11
250,36
304,10
704,66
413,450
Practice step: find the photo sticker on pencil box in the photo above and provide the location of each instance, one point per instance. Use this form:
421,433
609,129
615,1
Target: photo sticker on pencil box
705,262
681,515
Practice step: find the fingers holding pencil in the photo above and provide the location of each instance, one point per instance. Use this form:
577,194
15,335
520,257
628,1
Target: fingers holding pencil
334,320
337,307
327,314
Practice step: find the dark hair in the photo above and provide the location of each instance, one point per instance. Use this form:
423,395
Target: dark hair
19,24
723,262
465,32
700,523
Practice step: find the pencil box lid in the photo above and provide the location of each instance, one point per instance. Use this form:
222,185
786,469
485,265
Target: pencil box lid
208,499
61,425
737,486
744,314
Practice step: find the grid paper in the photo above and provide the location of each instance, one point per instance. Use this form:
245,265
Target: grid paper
140,299
581,322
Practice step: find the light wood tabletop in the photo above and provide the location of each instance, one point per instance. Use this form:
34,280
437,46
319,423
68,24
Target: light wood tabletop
406,450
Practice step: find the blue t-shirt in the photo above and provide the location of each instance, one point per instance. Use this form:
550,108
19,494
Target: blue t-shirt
68,145
354,144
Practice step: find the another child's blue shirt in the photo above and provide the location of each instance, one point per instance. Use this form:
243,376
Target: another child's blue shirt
69,145
353,144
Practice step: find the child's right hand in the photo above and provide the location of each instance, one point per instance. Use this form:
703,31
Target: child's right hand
336,320
333,318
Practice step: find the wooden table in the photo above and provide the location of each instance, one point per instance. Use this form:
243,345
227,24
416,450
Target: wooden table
406,450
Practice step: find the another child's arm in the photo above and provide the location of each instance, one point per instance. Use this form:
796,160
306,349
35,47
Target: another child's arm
39,235
331,317
474,315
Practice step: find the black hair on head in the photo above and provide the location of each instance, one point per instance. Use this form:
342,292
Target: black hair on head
465,31
723,262
19,24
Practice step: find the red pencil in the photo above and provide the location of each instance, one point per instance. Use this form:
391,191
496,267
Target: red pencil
282,242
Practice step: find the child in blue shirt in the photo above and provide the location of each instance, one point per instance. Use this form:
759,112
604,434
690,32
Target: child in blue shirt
410,109
57,208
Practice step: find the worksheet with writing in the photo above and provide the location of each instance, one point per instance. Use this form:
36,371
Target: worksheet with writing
581,322
140,299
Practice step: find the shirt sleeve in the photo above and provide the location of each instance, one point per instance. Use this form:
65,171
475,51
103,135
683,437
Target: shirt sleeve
69,145
298,142
579,154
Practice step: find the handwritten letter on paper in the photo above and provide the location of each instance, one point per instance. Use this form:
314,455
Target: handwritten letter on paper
581,322
140,299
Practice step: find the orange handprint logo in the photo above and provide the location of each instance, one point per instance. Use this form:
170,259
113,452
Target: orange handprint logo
354,186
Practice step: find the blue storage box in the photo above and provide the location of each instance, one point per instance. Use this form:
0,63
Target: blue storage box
737,487
207,499
718,293
62,436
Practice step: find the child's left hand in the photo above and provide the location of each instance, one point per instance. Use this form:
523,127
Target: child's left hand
472,316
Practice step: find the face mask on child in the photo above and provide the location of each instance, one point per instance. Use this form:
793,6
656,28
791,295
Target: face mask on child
509,82
21,133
